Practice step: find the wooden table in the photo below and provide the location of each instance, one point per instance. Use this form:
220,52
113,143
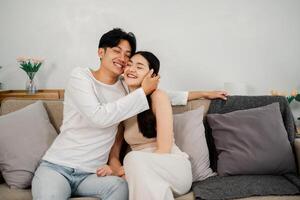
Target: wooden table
40,94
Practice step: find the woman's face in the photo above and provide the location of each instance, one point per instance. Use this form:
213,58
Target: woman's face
136,70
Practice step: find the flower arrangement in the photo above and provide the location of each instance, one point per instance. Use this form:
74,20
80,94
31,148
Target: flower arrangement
294,96
30,65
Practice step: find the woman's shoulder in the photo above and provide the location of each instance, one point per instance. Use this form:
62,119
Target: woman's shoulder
159,95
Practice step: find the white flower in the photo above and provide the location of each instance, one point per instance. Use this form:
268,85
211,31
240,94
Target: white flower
294,93
22,59
37,60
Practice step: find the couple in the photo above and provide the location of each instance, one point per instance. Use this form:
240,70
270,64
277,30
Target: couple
84,158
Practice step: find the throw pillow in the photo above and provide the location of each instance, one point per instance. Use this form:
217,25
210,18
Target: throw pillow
190,137
25,136
252,141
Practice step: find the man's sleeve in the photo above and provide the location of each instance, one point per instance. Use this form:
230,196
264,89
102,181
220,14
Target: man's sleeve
81,91
178,97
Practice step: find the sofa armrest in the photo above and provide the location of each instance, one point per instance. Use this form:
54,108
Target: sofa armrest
297,151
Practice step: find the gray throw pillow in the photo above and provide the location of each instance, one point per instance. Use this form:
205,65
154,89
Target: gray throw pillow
25,136
252,141
190,137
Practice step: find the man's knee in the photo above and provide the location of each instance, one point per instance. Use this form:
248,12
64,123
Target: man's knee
118,189
47,184
121,185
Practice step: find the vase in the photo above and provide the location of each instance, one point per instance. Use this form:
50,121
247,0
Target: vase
30,86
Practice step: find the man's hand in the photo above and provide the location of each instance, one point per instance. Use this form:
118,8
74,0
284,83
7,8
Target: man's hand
104,171
150,82
216,95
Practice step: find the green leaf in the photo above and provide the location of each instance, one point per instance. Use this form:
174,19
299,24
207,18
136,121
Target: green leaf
290,98
30,68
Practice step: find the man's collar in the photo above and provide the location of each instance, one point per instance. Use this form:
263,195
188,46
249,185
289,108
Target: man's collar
121,78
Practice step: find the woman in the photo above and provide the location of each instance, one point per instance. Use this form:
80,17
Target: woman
155,168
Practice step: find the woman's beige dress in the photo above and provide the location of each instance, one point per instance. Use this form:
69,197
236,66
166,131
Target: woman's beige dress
153,176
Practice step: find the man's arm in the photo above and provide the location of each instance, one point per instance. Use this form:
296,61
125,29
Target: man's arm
81,92
182,97
207,95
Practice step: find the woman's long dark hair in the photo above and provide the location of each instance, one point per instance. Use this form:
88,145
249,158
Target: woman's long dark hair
146,120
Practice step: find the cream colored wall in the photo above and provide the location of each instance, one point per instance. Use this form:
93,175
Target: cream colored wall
201,43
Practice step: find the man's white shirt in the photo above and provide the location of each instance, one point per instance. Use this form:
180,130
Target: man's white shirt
92,113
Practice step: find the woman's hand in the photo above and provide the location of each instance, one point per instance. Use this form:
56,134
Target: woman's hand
216,95
104,171
120,172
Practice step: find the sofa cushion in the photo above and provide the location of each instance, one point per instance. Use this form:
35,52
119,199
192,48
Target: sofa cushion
233,187
252,141
25,135
7,193
234,103
54,108
190,137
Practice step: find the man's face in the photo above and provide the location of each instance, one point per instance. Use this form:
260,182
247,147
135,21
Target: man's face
115,58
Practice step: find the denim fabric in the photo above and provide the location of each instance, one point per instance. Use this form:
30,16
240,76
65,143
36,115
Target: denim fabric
58,182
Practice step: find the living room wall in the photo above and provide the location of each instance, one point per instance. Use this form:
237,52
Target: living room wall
201,44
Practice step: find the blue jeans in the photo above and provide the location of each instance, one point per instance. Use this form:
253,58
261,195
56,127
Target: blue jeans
58,182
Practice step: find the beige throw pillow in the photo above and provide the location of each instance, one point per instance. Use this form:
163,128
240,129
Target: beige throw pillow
189,136
24,137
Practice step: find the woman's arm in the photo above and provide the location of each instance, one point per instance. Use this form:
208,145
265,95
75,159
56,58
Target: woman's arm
114,165
162,110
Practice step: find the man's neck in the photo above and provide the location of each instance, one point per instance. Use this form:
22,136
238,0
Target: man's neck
105,76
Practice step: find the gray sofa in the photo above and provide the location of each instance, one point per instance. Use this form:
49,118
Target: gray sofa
55,108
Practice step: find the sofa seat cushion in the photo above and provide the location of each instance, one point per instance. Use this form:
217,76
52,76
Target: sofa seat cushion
232,187
25,194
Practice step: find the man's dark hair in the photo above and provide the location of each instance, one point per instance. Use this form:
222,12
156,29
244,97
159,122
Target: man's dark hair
112,39
146,120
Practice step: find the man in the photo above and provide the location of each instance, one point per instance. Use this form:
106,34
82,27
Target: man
95,102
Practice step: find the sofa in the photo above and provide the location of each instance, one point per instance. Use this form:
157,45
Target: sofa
55,112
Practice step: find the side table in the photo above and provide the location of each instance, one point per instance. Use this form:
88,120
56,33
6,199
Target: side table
40,94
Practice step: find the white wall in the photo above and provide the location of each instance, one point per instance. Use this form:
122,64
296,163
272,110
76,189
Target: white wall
201,43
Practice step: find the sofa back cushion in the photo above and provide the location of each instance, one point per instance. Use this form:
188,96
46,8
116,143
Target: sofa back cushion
54,109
